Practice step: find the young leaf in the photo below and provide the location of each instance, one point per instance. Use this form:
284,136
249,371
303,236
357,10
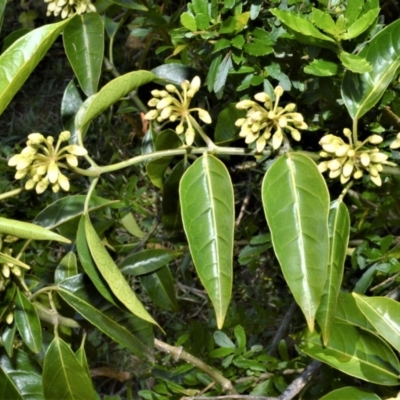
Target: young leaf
25,230
324,21
84,46
188,21
208,214
27,322
112,275
339,231
300,24
361,92
63,373
321,68
361,24
296,205
355,63
127,330
159,285
129,223
383,313
222,73
352,393
356,353
21,58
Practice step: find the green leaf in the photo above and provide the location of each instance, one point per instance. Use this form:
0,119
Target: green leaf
240,336
68,208
27,321
296,205
353,10
66,268
175,73
88,264
5,258
222,73
339,232
361,24
348,312
84,46
361,92
24,373
323,21
208,215
384,315
355,63
321,68
300,25
171,208
356,353
6,299
112,275
159,285
200,7
7,337
108,95
25,230
127,330
21,58
258,47
188,21
225,130
352,393
147,261
63,374
130,224
131,5
70,104
222,340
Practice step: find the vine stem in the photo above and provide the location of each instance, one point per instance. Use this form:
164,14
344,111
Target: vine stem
179,354
10,193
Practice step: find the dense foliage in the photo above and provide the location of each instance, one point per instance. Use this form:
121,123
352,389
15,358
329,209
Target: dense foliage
213,211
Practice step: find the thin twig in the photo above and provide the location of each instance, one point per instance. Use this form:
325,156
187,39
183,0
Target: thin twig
179,354
283,328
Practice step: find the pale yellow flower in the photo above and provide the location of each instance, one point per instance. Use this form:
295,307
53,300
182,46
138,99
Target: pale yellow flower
68,8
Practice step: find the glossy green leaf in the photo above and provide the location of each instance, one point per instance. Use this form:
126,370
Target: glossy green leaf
299,24
66,268
188,21
84,46
339,231
147,261
7,337
361,92
355,63
108,95
296,205
175,73
67,209
8,389
356,353
171,208
208,216
25,230
384,315
348,312
70,103
21,58
112,275
352,393
225,130
80,355
89,266
159,285
27,321
127,330
6,299
25,373
63,375
321,68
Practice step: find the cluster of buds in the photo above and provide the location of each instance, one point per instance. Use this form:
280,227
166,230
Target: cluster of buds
396,143
173,105
40,161
67,8
262,122
353,159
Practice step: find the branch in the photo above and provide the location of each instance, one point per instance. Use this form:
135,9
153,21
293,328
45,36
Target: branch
179,353
298,384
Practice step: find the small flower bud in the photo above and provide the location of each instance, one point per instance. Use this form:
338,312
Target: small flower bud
171,88
278,91
30,184
347,132
165,102
375,139
244,104
365,159
323,166
260,144
179,129
65,136
53,172
204,116
378,157
334,164
262,97
358,174
72,160
36,138
348,168
240,121
189,135
63,182
195,84
9,318
296,135
76,150
277,139
153,114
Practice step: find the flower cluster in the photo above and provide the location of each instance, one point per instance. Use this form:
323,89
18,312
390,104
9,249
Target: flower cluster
352,160
40,161
173,105
68,8
262,122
